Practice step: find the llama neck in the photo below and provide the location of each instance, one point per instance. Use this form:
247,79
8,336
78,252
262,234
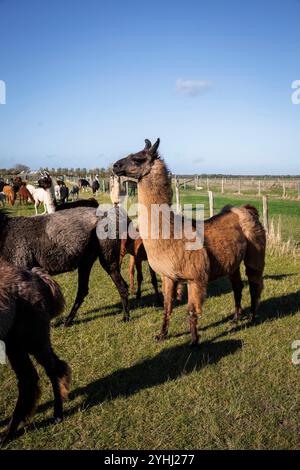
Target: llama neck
49,199
154,189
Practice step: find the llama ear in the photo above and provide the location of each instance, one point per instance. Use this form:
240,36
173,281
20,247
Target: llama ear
153,149
147,144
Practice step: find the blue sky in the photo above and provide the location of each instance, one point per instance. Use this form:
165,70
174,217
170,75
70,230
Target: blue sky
88,80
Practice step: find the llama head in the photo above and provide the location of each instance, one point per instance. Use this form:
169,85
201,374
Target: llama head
138,165
45,181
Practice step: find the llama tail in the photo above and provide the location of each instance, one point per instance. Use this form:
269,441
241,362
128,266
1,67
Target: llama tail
254,233
58,301
250,224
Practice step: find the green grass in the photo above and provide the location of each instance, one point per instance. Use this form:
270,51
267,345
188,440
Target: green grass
238,390
286,209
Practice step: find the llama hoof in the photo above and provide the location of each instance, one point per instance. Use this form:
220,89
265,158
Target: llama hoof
161,337
68,323
237,316
194,343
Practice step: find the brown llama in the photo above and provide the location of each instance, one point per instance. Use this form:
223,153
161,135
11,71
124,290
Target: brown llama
10,194
28,301
233,236
25,195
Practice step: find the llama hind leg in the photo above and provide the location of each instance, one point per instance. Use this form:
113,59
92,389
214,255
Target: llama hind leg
168,291
237,286
29,391
59,374
196,296
256,285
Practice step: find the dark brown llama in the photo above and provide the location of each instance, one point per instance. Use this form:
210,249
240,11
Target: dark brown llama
61,242
233,236
137,253
25,195
28,301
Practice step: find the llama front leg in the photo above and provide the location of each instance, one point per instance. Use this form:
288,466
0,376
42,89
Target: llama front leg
110,264
84,270
131,274
139,271
45,209
196,296
168,291
155,285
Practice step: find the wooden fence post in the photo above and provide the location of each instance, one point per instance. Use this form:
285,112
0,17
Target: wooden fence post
207,183
266,213
283,189
177,194
299,190
240,187
259,188
114,188
222,187
211,203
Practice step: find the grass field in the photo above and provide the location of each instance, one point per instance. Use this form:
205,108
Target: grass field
239,389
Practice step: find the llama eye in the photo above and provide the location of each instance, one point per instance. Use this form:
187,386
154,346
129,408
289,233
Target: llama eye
138,161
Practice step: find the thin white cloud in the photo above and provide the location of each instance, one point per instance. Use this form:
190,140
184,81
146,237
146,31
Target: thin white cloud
198,160
192,87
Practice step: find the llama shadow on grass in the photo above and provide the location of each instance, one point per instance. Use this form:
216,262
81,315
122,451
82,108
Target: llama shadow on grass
270,309
111,311
169,364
